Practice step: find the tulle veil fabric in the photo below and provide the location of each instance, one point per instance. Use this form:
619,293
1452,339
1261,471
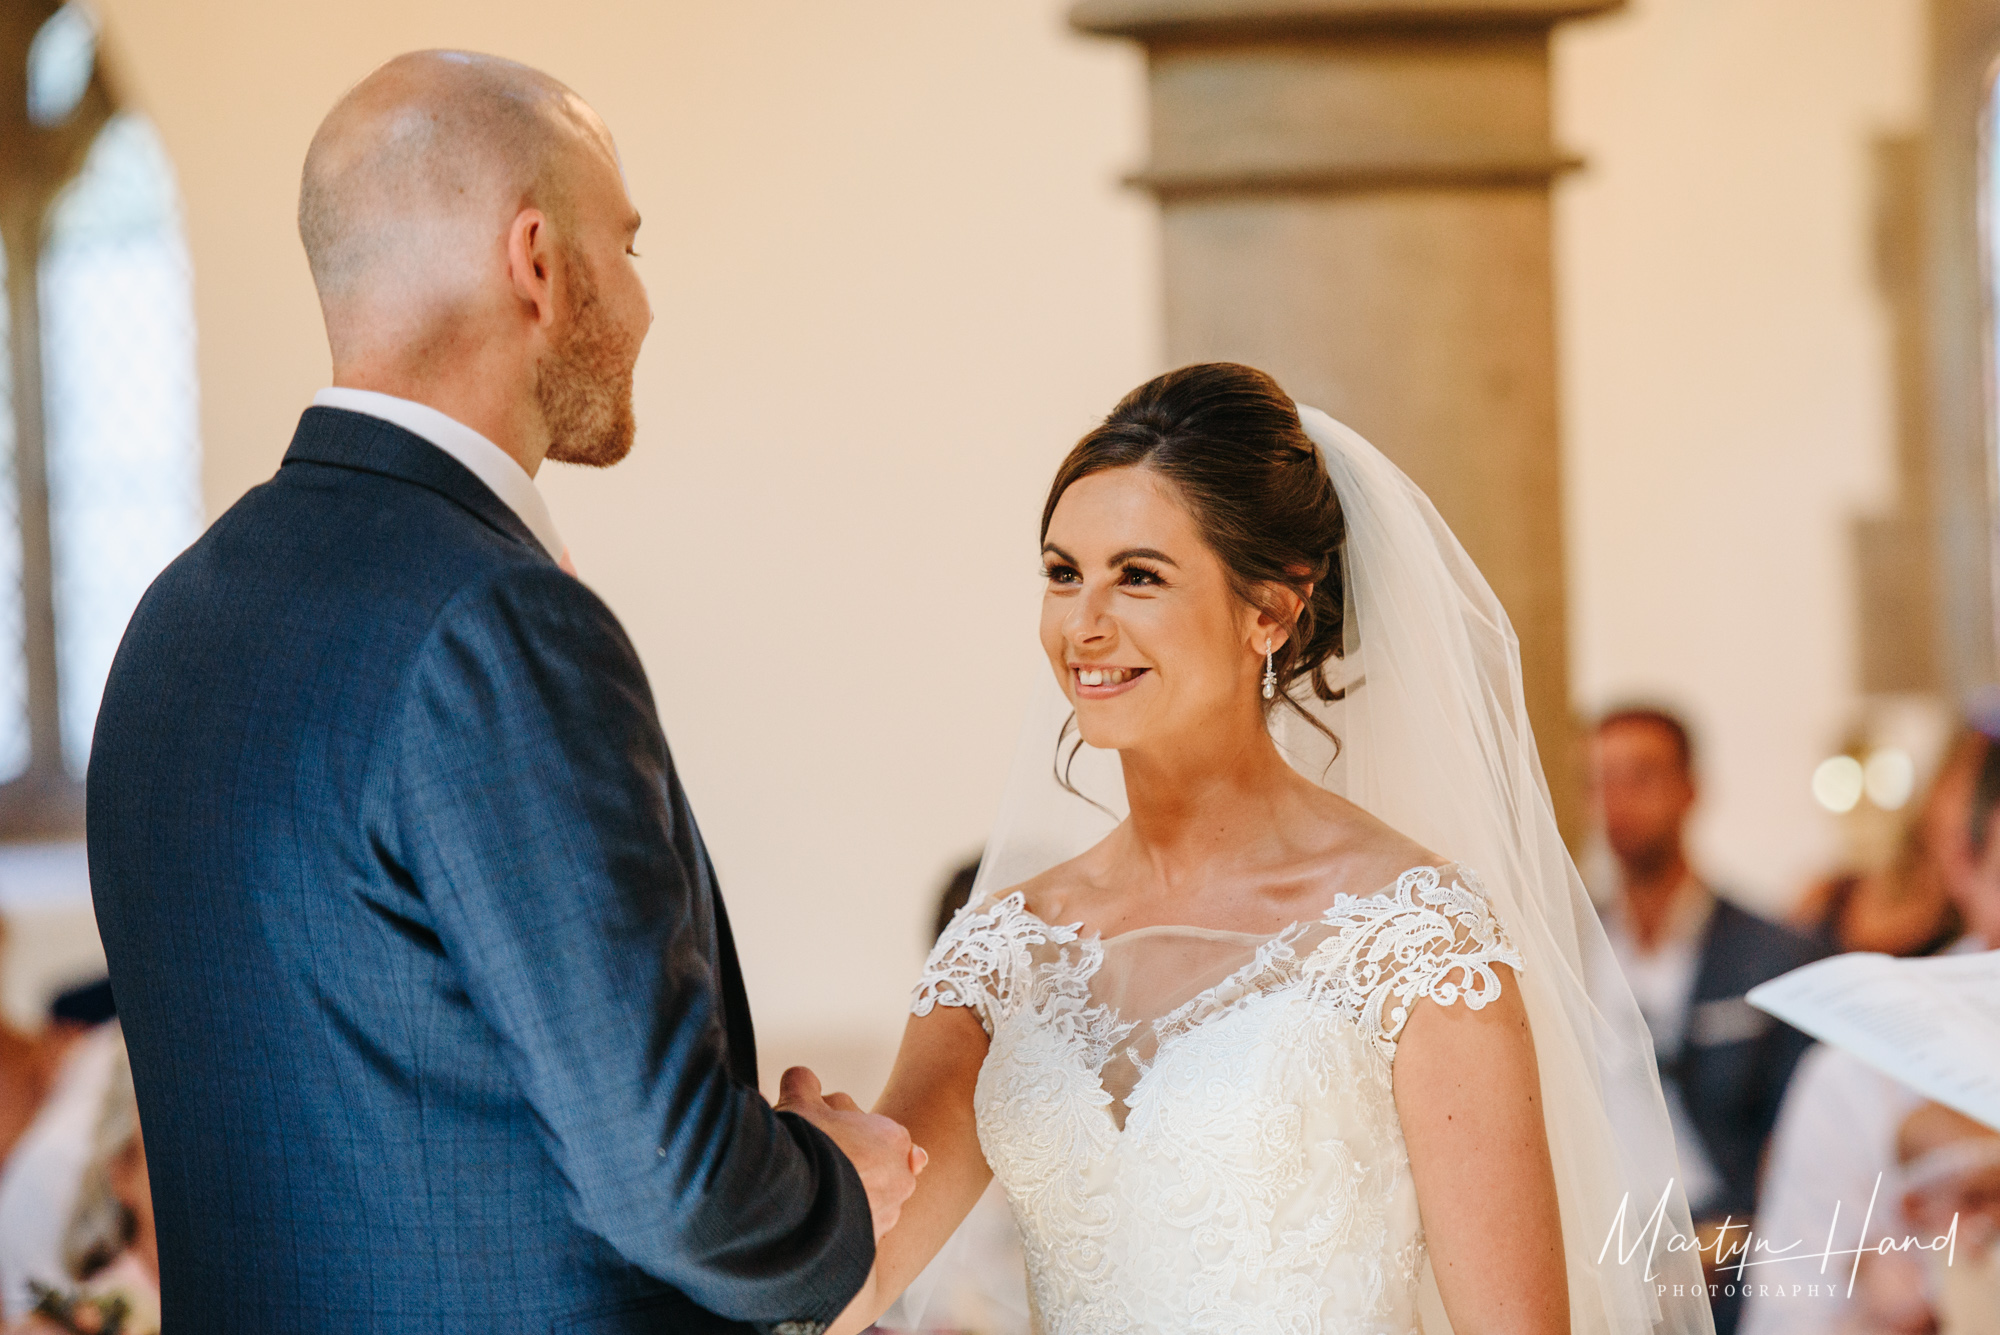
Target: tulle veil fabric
1434,740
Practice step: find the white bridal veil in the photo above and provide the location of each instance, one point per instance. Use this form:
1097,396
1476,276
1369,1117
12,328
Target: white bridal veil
1435,741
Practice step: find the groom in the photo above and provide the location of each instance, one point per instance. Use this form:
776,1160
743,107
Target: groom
431,1000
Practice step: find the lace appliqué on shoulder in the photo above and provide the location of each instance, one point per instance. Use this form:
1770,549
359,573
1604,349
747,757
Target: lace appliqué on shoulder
1435,936
985,959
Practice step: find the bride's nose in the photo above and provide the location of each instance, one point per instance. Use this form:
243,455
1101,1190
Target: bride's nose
1089,621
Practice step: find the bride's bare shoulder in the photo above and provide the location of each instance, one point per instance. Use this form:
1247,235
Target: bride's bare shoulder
1371,854
1067,892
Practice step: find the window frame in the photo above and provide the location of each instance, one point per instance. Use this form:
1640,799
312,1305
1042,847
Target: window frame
36,162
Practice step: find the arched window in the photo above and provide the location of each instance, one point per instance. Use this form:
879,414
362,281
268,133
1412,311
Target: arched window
99,450
118,379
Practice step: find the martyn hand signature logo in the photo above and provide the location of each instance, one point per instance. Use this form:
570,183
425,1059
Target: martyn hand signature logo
1737,1248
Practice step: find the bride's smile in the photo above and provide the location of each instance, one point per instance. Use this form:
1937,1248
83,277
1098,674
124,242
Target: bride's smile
1100,683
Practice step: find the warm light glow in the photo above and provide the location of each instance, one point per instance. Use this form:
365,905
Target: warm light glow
1838,783
60,62
1891,776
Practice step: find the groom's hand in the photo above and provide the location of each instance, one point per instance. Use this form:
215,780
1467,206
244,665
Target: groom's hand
879,1148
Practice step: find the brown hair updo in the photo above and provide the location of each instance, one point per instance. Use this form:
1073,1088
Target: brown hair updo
1230,443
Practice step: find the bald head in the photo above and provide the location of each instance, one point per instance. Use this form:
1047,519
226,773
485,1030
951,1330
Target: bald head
471,237
414,175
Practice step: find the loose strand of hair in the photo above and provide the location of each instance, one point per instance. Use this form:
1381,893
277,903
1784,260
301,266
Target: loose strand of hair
1063,764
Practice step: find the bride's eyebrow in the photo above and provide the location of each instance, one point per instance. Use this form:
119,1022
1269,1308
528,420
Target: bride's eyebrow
1129,554
1143,554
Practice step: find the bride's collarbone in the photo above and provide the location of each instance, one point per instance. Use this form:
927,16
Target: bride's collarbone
1256,902
1281,863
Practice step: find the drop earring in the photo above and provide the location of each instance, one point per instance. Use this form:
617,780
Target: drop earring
1270,674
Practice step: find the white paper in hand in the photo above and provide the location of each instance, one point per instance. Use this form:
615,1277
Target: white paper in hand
1933,1024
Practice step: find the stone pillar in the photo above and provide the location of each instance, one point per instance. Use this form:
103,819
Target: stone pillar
1355,197
1958,337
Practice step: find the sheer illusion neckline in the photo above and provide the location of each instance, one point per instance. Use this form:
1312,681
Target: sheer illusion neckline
1342,900
1121,1013
1140,991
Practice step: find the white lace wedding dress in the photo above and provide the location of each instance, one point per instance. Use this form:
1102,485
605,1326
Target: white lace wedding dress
1196,1129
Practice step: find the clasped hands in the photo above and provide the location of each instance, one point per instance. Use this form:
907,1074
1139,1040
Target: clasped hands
879,1147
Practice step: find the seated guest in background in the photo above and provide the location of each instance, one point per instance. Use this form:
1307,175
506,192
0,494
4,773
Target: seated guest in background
1842,1132
1689,956
27,1069
78,1010
38,1185
32,1066
1950,1181
957,891
110,1251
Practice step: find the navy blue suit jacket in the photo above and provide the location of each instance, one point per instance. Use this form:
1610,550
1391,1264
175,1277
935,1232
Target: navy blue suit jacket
431,1002
1734,1060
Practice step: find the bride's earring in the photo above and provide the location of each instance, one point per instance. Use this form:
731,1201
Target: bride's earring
1270,673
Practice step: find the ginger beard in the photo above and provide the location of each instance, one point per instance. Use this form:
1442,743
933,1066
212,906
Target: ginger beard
584,385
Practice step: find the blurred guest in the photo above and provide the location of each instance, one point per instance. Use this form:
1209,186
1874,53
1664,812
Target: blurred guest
1948,1188
27,1070
77,1010
110,1251
1951,1182
40,1181
957,891
1835,1155
1689,956
1905,908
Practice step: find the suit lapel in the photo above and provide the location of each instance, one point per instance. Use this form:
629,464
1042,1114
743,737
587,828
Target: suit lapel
1717,1013
1711,980
343,439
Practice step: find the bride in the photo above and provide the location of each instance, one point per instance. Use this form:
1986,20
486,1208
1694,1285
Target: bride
1266,1013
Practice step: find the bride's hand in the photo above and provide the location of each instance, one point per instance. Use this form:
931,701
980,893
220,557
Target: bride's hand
879,1148
930,1092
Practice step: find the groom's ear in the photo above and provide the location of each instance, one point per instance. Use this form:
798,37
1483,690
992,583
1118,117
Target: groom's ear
530,256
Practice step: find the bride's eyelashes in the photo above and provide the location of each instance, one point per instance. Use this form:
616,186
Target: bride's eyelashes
1136,569
1131,576
1142,577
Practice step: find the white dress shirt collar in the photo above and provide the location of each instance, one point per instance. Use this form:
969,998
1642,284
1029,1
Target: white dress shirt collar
1661,980
486,461
1687,917
1662,977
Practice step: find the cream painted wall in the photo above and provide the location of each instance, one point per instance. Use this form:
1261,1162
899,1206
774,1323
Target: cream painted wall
895,278
1726,383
